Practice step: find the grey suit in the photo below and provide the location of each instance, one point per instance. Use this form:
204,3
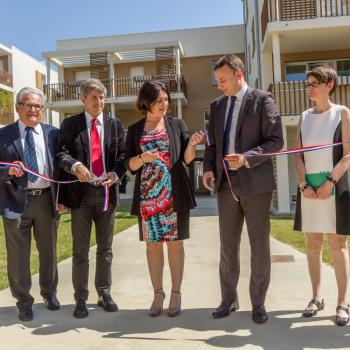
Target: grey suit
21,212
258,130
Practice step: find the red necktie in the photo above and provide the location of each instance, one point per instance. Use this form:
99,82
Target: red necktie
96,151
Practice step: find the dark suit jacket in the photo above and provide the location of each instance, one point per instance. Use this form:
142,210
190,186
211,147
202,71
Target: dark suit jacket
13,190
178,139
73,146
258,131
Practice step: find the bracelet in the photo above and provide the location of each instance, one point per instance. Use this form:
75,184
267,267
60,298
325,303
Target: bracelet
303,186
141,160
331,179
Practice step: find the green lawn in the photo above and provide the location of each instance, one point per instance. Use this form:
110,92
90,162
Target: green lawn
282,229
64,244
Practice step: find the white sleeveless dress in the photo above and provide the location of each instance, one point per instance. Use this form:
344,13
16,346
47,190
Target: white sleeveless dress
319,128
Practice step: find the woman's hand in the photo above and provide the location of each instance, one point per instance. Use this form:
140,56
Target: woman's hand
196,138
149,156
325,191
309,193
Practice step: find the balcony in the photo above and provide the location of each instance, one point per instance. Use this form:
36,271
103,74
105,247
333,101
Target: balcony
292,99
6,78
117,88
292,10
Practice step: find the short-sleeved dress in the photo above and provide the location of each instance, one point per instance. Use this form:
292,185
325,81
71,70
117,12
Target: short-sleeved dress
321,216
158,220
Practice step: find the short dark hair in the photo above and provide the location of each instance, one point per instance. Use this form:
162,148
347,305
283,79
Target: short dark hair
325,74
232,61
149,93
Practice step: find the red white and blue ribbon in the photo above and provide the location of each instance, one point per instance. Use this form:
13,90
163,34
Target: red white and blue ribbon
59,182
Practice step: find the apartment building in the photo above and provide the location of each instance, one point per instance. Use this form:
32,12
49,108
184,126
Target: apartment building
284,39
18,69
183,59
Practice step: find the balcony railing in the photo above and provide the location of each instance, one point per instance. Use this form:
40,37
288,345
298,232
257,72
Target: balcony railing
6,78
292,99
118,87
292,10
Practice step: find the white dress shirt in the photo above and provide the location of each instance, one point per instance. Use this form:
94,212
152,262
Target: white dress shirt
40,151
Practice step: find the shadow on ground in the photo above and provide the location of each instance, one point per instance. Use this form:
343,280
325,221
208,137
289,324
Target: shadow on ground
284,330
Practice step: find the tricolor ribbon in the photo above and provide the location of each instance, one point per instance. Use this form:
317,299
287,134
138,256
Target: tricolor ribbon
30,171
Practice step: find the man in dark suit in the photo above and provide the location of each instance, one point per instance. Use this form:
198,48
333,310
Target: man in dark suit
243,124
92,149
27,201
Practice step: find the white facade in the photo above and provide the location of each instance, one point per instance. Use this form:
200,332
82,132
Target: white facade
24,68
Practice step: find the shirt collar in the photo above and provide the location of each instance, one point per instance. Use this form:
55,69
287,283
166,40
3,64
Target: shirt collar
239,95
22,127
88,118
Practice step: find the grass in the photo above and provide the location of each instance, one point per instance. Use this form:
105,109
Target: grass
64,241
282,229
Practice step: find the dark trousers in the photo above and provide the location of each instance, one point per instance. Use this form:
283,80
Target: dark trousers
91,210
255,210
38,215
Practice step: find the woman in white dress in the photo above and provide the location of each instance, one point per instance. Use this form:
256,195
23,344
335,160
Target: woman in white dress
323,204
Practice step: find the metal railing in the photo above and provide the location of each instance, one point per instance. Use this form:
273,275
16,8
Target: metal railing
118,87
292,99
6,78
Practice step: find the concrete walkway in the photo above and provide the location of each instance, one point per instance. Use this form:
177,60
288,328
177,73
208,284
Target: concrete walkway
131,328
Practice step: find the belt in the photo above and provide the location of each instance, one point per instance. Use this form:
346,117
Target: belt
37,191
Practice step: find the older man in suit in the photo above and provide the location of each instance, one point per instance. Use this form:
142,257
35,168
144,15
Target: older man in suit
92,149
28,202
244,123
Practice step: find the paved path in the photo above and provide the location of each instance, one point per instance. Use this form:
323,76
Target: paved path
131,328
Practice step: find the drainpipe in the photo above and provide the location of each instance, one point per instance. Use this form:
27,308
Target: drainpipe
258,52
245,35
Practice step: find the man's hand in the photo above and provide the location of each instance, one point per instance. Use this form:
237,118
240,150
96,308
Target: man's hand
236,160
82,173
207,179
16,171
111,179
61,209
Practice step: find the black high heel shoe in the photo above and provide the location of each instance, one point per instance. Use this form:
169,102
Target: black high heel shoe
174,311
156,311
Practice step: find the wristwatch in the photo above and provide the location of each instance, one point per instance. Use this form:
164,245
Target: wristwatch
303,186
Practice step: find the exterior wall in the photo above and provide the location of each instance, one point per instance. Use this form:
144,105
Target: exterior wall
24,68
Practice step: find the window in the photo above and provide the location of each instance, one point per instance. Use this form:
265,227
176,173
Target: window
206,119
40,80
135,73
343,70
1,65
296,72
83,75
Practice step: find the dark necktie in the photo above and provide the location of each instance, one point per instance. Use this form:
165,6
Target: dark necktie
228,125
30,155
96,150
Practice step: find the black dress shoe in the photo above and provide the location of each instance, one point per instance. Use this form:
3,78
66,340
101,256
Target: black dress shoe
107,303
259,314
81,310
25,314
224,309
52,303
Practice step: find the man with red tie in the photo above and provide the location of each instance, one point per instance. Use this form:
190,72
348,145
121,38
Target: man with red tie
92,149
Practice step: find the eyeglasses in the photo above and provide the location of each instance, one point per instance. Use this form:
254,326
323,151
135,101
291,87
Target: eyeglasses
29,106
315,83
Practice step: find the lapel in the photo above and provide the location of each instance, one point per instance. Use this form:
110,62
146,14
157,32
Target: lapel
15,136
47,148
221,118
107,126
244,108
84,136
169,126
138,134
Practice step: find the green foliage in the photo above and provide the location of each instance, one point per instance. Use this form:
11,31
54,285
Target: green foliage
6,101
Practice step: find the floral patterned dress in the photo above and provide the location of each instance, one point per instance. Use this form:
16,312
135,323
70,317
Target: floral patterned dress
157,215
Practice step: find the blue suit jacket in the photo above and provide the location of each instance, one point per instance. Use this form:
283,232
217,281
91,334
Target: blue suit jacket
13,190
